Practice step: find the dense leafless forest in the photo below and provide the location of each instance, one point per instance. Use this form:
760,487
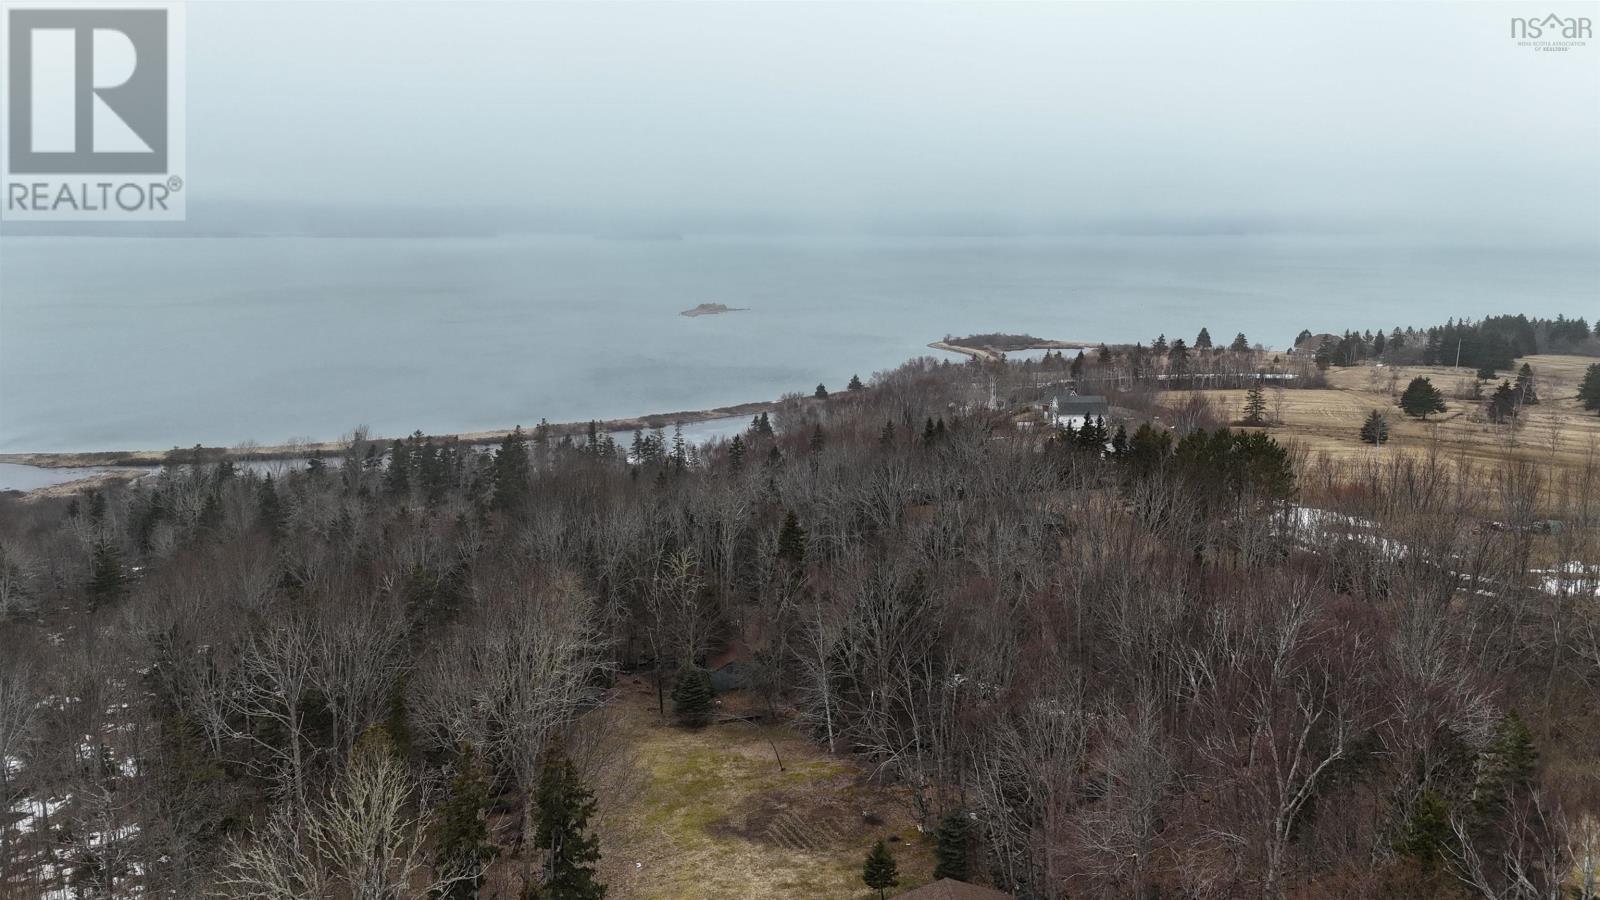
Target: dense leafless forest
1156,659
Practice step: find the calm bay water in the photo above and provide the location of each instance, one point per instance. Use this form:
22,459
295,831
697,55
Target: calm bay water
153,343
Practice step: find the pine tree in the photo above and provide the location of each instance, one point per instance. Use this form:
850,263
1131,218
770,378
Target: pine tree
1240,344
1421,398
855,383
821,393
880,872
1255,404
1526,393
1202,341
1589,391
1485,373
1375,430
107,581
462,845
565,806
952,846
1077,365
691,697
1160,345
736,451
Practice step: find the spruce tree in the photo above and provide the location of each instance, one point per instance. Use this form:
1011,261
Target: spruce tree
855,383
736,451
952,846
107,580
269,511
1202,341
1526,393
880,872
1502,405
821,393
791,539
1375,430
462,845
1077,365
565,806
1421,398
397,481
1589,391
886,436
510,470
1239,345
691,697
1427,835
1255,405
819,439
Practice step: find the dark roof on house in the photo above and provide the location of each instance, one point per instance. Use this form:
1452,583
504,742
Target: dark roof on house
950,889
1081,404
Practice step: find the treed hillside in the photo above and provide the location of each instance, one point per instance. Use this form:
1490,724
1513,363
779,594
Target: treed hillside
1143,659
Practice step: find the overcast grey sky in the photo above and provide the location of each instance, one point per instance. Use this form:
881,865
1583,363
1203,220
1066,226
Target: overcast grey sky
1419,117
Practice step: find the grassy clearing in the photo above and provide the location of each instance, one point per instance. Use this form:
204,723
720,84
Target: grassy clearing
1557,433
709,814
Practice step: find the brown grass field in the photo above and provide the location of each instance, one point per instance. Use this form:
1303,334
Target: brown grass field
1557,432
708,814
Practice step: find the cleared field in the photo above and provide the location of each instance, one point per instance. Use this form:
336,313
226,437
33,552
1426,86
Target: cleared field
1557,432
708,813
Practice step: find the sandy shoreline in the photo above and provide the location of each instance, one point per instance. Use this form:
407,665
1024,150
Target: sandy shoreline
152,458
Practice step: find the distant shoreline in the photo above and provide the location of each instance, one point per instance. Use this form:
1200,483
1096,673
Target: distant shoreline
155,458
992,354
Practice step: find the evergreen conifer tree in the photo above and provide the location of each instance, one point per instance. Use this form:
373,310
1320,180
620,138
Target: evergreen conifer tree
1526,393
886,436
510,470
855,383
691,697
1375,430
269,511
107,581
1240,344
397,482
565,806
1502,405
462,845
880,872
792,539
821,393
1421,398
1202,341
818,439
736,451
953,846
1255,404
1589,390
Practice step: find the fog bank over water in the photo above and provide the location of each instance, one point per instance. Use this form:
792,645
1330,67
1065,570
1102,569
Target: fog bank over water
952,119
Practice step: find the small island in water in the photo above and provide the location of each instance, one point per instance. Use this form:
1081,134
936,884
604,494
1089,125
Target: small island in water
712,309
